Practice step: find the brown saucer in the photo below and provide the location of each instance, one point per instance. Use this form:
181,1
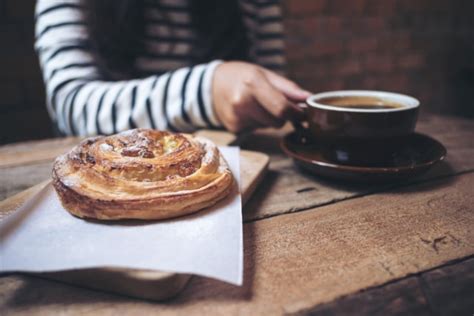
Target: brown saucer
415,157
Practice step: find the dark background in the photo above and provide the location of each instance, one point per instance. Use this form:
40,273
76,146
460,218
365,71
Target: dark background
420,47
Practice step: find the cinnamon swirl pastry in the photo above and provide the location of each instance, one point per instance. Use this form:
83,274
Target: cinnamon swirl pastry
141,174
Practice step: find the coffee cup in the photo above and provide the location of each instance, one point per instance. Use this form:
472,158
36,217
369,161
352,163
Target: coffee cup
359,127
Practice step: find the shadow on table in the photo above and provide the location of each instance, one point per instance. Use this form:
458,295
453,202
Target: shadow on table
316,191
200,288
269,143
263,142
440,174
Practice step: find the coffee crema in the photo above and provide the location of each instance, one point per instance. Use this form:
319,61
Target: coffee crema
360,102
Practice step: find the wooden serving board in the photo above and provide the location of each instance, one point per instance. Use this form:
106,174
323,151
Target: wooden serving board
153,285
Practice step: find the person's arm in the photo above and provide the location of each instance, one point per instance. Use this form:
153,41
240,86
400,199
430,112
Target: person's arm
264,21
81,102
257,95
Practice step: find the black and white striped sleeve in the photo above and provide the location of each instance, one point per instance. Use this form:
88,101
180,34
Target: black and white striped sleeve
264,21
81,102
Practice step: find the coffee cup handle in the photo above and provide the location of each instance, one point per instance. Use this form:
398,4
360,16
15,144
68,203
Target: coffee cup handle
302,132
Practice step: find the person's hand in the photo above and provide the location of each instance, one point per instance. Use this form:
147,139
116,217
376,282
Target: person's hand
247,96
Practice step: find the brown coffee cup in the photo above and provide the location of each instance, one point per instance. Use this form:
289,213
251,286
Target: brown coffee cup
359,126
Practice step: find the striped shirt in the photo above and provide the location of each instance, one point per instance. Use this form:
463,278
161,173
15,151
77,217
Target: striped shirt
174,95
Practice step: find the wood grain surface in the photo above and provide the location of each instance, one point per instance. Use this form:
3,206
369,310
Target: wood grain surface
444,291
312,246
400,298
285,188
288,189
35,151
297,261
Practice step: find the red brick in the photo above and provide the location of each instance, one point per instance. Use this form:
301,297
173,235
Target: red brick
297,49
374,24
379,63
362,44
399,42
368,82
396,82
307,70
365,24
312,27
330,25
331,84
411,61
353,82
305,7
331,44
327,84
306,83
302,26
20,9
326,48
346,7
304,50
346,67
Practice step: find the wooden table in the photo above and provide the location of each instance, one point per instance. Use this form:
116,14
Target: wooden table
311,246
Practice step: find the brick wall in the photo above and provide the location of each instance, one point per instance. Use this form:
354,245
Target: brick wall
420,47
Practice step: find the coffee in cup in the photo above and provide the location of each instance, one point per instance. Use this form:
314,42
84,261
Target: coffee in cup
359,127
360,102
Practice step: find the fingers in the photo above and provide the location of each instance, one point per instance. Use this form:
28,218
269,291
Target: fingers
289,88
255,98
263,118
275,102
254,115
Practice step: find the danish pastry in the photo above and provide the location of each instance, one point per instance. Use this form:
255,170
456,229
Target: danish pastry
141,174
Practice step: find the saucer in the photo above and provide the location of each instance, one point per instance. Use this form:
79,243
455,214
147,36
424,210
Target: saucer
418,154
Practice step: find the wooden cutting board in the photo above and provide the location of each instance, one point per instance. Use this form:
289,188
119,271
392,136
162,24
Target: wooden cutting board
153,285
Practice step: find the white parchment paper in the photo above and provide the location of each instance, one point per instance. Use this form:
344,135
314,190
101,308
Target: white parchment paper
41,236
